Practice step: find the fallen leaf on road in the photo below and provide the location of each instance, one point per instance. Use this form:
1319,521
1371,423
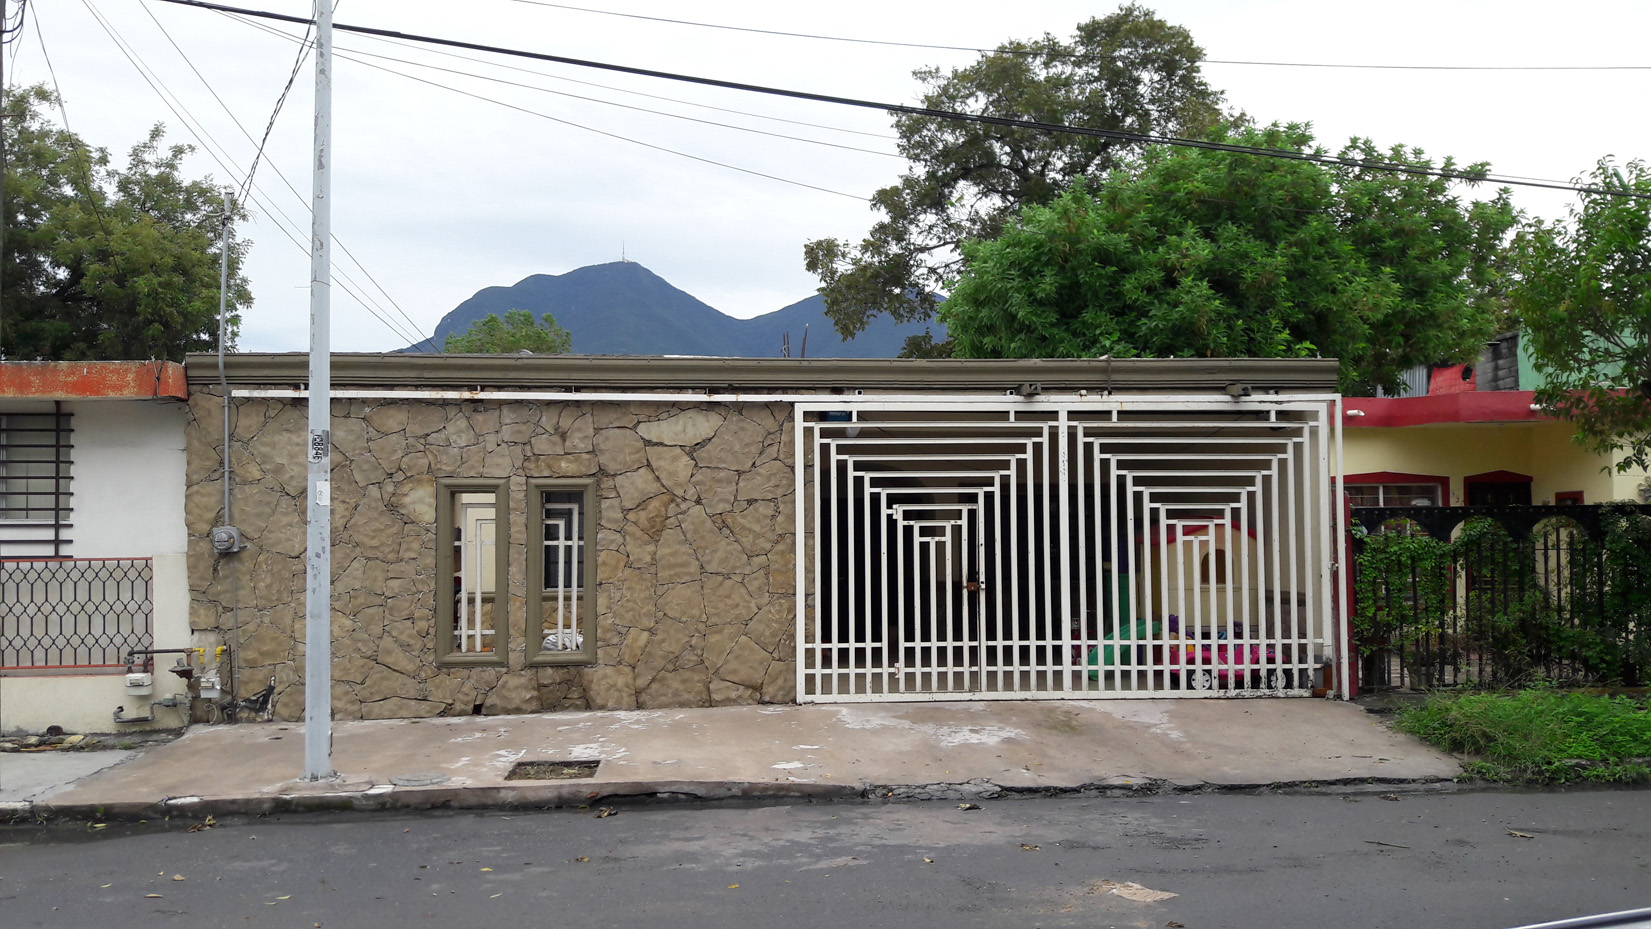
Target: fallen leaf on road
1390,796
100,825
487,869
605,811
1030,848
499,894
108,885
151,896
1172,924
1522,835
582,858
733,887
928,860
968,806
287,897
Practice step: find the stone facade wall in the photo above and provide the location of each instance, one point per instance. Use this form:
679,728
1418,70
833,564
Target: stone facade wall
695,536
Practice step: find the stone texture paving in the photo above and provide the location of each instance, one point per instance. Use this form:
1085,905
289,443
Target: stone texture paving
695,536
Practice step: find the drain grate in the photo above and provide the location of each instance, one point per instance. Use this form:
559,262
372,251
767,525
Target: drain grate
551,770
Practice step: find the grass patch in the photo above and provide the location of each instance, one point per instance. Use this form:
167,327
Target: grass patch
1539,736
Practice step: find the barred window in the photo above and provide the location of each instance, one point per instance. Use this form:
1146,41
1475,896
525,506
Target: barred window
472,625
35,500
561,617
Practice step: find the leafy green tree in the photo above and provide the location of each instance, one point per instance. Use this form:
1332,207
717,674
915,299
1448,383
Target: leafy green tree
1126,71
1202,253
1584,294
516,331
105,263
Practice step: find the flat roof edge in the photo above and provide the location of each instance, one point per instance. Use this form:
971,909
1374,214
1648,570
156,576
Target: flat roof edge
805,376
93,380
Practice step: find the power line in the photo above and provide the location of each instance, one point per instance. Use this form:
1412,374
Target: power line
636,93
213,148
246,187
613,103
12,28
88,190
303,52
1001,121
1081,55
602,132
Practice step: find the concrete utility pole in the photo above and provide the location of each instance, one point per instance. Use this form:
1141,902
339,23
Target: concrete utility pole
318,545
3,186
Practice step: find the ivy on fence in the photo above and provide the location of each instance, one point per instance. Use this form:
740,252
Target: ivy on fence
1486,608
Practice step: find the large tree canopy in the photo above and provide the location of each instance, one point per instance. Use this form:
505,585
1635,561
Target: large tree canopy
516,331
1127,71
1584,294
104,263
1212,253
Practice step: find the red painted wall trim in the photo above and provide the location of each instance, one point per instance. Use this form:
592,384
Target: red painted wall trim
1480,406
93,380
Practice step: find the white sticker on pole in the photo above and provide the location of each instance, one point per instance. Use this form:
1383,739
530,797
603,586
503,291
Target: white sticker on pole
320,442
323,493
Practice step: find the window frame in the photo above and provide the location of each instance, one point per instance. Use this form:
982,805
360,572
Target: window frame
1386,479
42,526
447,491
586,625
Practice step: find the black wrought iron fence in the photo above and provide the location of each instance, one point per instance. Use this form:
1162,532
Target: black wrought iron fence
1494,596
74,613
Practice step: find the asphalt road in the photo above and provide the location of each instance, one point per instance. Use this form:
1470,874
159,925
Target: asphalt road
1454,860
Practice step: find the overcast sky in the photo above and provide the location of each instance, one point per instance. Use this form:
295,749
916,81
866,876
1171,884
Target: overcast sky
440,193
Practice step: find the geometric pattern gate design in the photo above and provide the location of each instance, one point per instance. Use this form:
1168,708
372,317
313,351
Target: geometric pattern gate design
1065,548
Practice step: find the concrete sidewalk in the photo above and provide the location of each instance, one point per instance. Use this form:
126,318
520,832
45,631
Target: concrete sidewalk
900,750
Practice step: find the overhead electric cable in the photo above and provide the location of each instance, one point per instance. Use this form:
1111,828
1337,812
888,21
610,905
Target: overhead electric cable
613,103
87,190
278,173
220,154
1004,121
636,93
1080,55
304,47
602,132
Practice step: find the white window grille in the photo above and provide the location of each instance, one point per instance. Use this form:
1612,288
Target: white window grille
477,585
473,572
561,565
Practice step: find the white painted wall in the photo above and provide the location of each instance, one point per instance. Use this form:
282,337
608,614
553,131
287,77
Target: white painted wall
128,484
128,467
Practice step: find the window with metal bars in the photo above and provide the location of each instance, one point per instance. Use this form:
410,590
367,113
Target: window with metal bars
35,498
472,626
561,618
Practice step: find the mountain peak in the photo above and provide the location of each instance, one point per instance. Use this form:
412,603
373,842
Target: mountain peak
623,308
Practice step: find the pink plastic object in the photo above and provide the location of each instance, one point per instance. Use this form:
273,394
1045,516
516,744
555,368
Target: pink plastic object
1223,659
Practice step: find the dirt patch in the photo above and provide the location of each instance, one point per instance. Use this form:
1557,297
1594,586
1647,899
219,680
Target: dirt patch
551,770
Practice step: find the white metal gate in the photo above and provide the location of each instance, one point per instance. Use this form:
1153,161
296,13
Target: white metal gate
1064,547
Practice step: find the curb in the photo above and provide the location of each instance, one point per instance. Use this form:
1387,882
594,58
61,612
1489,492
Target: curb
381,798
